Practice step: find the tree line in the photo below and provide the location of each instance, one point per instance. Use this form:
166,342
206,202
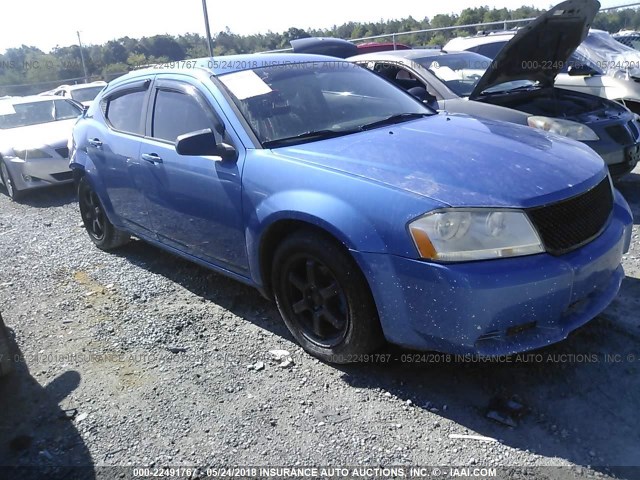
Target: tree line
28,70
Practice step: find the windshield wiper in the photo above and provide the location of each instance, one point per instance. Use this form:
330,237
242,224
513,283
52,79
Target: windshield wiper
398,118
308,136
514,89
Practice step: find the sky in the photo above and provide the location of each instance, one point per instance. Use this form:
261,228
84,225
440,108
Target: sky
49,24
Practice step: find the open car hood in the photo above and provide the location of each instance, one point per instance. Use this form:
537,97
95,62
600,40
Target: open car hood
539,50
333,47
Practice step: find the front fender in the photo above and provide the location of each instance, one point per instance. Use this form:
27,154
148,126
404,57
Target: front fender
322,210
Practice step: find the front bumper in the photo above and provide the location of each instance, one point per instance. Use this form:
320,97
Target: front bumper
36,172
498,307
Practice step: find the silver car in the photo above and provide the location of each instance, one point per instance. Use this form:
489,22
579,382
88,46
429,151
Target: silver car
600,66
34,132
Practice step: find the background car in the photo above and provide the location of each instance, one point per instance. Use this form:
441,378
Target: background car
362,212
599,66
34,132
518,85
630,38
83,93
372,47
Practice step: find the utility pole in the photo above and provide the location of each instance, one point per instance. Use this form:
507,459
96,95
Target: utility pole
84,67
206,26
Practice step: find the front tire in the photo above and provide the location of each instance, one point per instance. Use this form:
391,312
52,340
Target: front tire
100,229
9,184
324,298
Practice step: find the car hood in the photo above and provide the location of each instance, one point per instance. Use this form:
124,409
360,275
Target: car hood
34,136
540,49
462,161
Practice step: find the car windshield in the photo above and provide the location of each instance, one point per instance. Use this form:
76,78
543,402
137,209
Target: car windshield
86,94
461,72
14,115
286,104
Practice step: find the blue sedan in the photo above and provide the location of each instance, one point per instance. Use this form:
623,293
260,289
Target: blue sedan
366,215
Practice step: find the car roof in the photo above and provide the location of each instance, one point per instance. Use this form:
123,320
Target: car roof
79,86
229,64
408,54
31,99
481,39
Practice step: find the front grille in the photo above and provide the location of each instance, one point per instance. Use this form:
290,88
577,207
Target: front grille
63,152
569,224
61,177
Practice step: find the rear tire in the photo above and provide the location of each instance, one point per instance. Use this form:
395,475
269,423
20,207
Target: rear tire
324,298
101,231
9,184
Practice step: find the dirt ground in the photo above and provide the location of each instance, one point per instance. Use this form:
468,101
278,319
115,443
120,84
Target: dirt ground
140,359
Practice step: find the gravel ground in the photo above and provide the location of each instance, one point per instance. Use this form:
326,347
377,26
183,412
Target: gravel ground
138,358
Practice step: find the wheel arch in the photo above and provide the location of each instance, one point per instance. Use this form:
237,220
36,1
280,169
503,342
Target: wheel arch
324,214
87,170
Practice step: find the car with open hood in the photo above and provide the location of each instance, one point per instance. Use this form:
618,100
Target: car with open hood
518,85
600,66
365,214
34,132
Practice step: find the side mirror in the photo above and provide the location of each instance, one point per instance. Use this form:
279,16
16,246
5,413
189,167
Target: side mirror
203,143
431,101
581,71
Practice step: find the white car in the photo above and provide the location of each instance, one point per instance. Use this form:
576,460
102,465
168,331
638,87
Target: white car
83,93
590,69
34,132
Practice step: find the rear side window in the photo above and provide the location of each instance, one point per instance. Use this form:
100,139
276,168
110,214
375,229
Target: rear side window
176,113
490,50
124,111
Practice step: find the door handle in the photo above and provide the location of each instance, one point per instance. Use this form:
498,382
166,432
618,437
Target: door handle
95,142
151,158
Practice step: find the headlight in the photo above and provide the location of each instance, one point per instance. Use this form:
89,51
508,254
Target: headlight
35,153
455,235
566,128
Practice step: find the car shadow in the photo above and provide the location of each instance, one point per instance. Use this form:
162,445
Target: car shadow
580,396
55,196
629,186
37,438
240,299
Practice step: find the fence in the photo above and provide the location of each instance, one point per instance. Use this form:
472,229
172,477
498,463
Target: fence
33,88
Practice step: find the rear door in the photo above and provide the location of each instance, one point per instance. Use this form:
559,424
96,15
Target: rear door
114,147
195,202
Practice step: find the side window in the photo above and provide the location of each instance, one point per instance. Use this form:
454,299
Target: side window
124,111
176,113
